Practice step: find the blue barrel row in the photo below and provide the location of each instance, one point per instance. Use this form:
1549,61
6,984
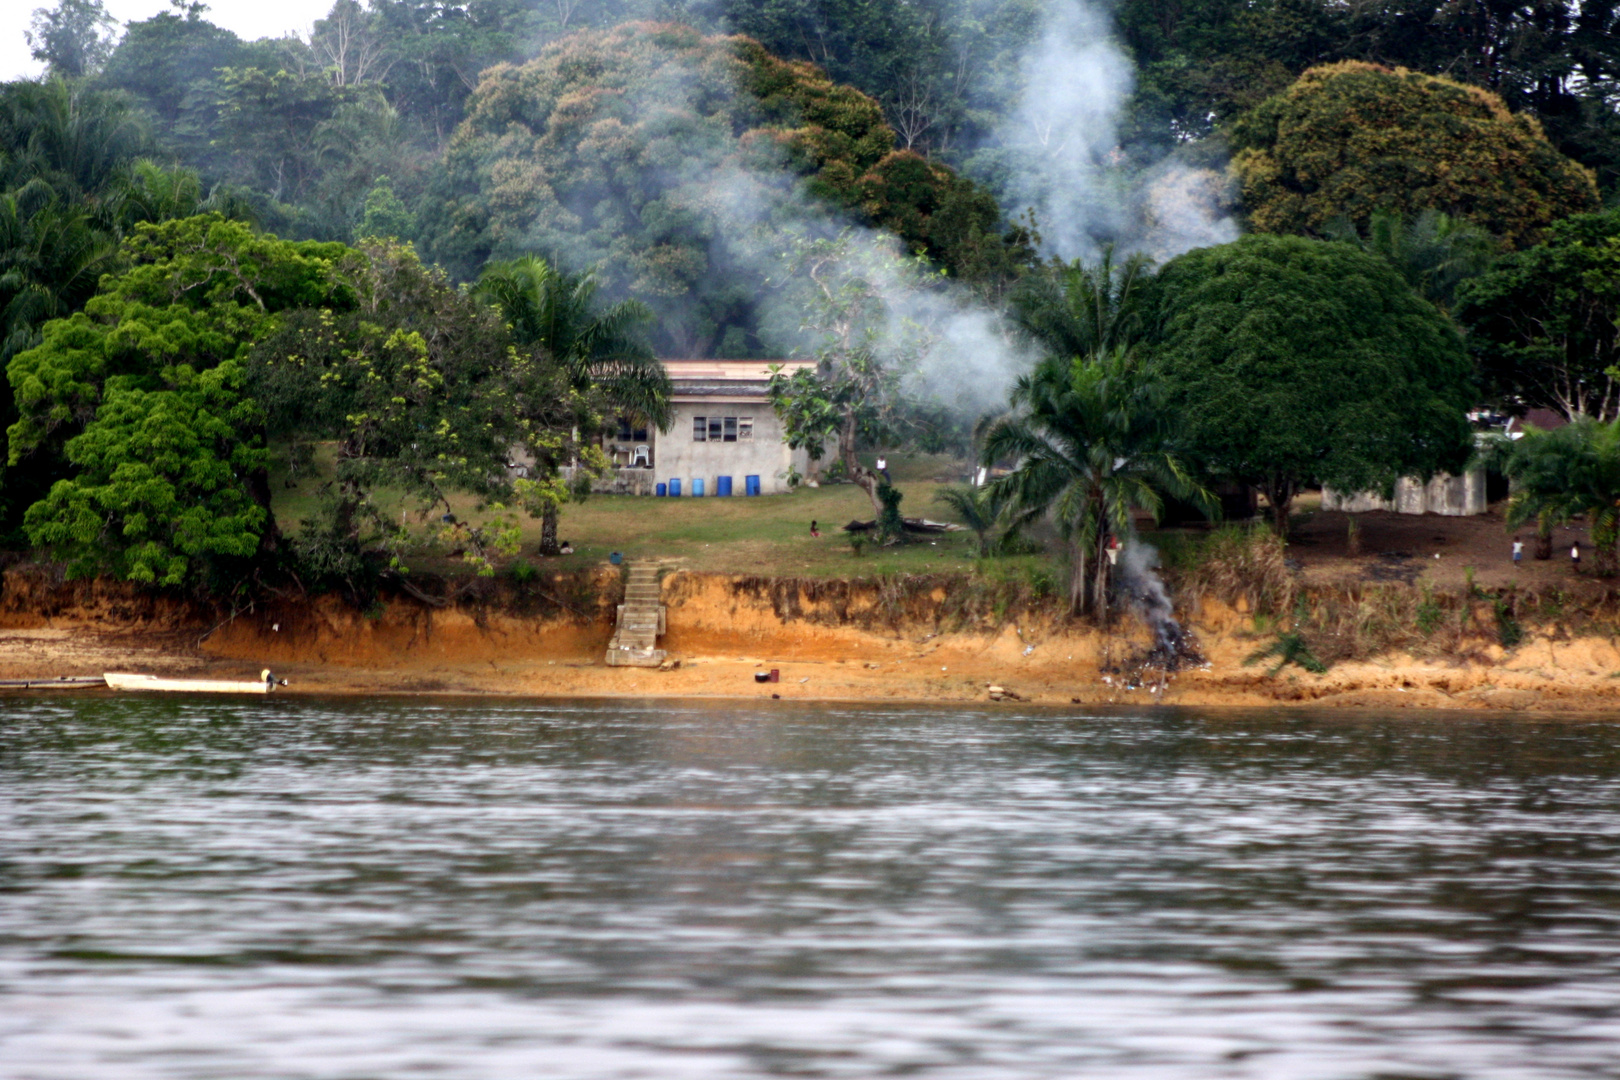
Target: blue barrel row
722,486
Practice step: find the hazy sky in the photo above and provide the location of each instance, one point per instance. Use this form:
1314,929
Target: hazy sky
248,18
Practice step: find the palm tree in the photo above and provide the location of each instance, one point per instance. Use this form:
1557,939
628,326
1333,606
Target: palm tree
1080,308
1091,444
1565,473
981,508
1434,252
598,352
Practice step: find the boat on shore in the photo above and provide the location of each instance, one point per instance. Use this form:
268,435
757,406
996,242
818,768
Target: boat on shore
54,682
120,680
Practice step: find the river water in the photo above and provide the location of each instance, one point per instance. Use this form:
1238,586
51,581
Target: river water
297,887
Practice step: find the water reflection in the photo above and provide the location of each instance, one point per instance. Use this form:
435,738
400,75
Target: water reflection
297,888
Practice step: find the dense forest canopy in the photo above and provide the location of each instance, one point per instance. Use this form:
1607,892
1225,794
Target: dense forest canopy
931,197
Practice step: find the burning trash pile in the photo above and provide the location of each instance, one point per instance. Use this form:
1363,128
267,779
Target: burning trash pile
1173,648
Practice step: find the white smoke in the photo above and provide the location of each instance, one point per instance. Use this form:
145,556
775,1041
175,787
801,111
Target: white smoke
1060,151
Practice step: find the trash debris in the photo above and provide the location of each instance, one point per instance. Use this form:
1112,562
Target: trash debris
1028,649
805,679
669,665
1001,693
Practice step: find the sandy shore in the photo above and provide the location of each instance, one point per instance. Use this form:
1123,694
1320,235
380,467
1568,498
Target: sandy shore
1581,674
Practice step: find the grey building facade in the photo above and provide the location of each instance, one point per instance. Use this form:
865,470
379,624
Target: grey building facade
723,433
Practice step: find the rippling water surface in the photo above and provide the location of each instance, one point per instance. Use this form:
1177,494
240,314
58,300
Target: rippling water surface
362,889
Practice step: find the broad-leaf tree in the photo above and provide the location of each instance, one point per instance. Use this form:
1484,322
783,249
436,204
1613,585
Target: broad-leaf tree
1350,139
666,159
158,347
1295,362
158,493
858,394
73,39
1545,322
412,383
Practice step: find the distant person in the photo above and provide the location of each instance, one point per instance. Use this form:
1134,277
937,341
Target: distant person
1575,556
814,532
883,467
566,549
1518,551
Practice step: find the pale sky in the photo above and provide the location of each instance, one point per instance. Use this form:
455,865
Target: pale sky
249,19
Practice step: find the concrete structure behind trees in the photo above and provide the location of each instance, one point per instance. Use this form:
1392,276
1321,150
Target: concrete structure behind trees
1450,496
723,431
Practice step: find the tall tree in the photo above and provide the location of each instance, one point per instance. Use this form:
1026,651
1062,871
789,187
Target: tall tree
1295,362
1350,139
1091,443
1544,323
669,160
1434,252
598,351
1083,308
858,394
74,39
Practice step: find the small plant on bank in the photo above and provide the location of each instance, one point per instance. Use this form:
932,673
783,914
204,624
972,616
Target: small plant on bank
1508,630
1290,647
1428,614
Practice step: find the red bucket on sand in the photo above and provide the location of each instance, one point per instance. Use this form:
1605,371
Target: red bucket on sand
776,675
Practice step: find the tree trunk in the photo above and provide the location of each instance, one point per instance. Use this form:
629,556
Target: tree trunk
1099,594
1543,539
1279,492
548,530
863,477
259,488
1077,580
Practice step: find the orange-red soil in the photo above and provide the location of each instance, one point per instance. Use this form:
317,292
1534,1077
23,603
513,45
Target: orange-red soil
724,629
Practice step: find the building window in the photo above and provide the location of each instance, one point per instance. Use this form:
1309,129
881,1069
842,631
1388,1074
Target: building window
722,428
630,433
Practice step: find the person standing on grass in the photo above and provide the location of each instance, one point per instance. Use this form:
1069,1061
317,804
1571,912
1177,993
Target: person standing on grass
1575,556
814,532
883,467
1518,551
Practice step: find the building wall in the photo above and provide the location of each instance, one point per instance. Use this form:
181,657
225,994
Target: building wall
1450,496
677,455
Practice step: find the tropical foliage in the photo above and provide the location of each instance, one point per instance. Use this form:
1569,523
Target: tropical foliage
1567,473
1092,443
1294,361
1544,323
1352,138
596,354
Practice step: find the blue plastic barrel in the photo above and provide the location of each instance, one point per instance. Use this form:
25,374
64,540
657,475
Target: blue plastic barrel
697,487
750,485
675,489
722,485
660,490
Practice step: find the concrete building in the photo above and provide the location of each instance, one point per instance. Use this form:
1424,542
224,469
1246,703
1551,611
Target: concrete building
1449,496
723,432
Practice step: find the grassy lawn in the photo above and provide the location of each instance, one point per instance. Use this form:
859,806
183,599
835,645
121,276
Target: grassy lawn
768,534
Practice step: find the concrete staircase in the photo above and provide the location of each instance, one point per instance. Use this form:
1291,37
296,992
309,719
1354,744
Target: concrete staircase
641,621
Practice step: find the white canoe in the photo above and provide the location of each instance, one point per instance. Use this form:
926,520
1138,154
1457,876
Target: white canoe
119,680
